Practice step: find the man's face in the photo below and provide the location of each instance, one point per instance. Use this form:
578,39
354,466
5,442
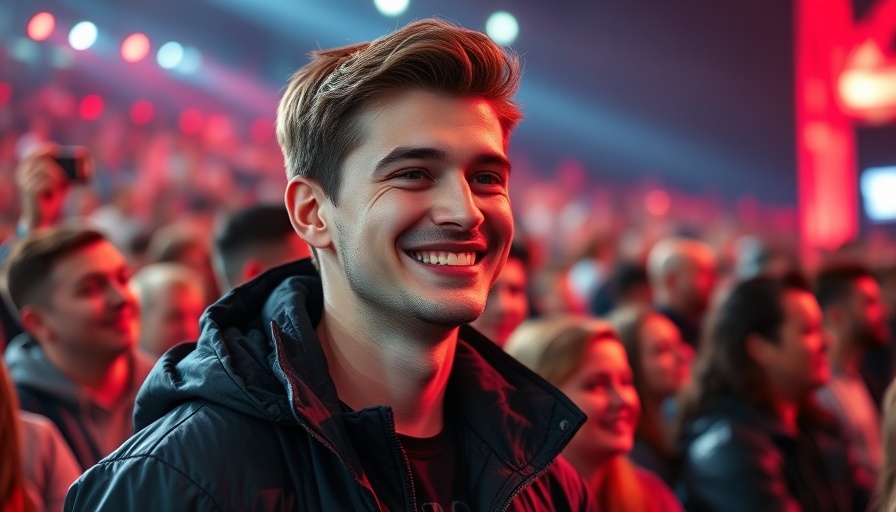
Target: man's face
800,362
423,225
697,279
866,313
507,304
172,317
91,308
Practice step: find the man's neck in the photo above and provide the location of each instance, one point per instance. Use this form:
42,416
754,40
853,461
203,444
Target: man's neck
106,380
844,353
405,370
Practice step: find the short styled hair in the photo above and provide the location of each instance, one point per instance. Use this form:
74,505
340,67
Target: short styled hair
317,116
248,231
27,270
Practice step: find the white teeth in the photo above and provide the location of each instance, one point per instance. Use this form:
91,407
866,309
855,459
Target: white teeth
452,259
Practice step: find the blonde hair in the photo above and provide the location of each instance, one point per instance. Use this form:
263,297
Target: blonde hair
316,118
554,347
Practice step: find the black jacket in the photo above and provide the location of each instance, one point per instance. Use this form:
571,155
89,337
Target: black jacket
738,460
248,419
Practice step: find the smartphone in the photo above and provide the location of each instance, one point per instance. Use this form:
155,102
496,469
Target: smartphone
76,163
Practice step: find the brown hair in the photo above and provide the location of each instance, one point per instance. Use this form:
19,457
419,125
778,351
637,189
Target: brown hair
554,347
27,271
316,119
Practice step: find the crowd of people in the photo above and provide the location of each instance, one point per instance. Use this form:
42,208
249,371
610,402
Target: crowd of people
389,339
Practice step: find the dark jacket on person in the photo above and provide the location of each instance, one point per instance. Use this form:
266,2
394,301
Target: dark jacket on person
91,430
249,419
736,459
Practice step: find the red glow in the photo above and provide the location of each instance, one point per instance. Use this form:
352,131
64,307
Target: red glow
142,112
217,129
191,121
826,148
5,93
91,107
657,202
135,47
262,130
41,26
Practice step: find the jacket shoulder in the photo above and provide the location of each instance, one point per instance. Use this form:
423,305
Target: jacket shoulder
732,465
560,488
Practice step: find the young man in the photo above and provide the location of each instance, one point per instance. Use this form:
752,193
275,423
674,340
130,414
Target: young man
76,363
355,388
856,318
253,240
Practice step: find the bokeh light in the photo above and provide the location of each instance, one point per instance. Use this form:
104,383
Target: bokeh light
41,26
391,7
142,112
502,27
135,47
91,107
170,54
83,35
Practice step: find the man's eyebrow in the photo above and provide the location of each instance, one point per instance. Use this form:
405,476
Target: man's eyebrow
410,153
426,153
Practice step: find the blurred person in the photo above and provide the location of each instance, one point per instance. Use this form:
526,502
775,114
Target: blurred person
584,359
878,366
885,497
682,275
855,317
661,366
118,218
42,188
357,385
627,286
253,240
185,242
750,436
552,293
171,301
508,300
76,363
37,465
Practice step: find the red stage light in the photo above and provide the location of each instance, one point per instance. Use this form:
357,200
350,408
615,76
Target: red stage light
135,47
261,130
5,93
142,112
91,107
41,26
657,202
191,121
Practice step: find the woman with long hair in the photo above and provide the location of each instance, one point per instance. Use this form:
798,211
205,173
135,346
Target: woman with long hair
584,359
660,362
750,436
36,465
12,480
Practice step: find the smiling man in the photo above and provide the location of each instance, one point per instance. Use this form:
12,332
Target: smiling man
354,383
76,363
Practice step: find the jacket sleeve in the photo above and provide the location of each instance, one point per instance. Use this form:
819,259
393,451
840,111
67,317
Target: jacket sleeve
137,484
728,469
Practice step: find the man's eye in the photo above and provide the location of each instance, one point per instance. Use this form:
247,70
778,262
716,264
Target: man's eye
412,175
487,179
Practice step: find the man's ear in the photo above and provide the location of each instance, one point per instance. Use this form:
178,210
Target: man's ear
34,322
759,348
305,202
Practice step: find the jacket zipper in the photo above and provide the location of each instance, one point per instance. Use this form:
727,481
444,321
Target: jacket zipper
319,438
409,487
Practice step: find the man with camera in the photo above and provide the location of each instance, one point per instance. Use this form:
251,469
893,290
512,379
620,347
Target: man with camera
43,179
